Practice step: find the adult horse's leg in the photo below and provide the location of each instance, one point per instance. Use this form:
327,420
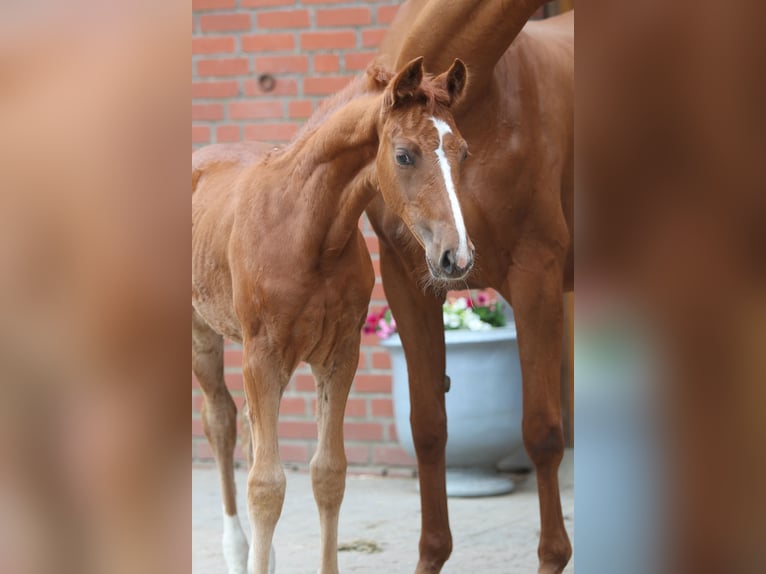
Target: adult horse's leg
421,328
328,465
219,422
535,281
265,379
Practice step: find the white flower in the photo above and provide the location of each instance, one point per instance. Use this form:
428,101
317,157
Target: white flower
473,322
460,304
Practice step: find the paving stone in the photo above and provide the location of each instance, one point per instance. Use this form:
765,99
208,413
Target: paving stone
490,535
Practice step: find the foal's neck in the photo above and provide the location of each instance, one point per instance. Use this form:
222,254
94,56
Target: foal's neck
330,175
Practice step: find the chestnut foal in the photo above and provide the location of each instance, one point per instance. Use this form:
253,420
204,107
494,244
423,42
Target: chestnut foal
279,264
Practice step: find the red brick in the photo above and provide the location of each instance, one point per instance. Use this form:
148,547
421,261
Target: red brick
213,45
204,452
195,382
214,89
393,436
207,112
224,22
372,38
290,452
284,19
324,84
270,132
298,429
362,363
283,87
327,40
255,110
377,292
343,17
292,406
392,455
324,1
305,383
326,63
381,361
224,134
372,384
281,64
197,428
261,3
267,42
213,4
370,340
300,108
385,14
224,67
382,408
232,357
200,134
372,244
197,403
358,60
235,381
363,431
357,454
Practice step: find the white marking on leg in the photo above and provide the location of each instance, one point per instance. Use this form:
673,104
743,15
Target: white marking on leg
462,255
234,545
251,560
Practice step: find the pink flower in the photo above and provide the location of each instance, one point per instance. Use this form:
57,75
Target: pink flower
482,298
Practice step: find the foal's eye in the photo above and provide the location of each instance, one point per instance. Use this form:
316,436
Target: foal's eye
403,158
464,155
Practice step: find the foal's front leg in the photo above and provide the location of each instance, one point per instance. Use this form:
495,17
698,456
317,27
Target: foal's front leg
328,465
265,379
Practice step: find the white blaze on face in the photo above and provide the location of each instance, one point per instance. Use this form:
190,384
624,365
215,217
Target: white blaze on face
462,255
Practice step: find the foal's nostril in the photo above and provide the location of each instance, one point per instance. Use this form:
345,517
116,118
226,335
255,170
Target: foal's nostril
448,261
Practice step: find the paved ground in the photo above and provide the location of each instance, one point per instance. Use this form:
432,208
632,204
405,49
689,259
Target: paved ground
491,535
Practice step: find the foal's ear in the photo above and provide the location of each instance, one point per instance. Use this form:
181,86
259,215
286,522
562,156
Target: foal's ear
453,80
406,83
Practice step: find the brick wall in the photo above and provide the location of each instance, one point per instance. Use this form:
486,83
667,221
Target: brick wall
311,48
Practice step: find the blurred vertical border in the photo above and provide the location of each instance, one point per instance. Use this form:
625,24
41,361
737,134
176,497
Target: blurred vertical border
670,386
94,267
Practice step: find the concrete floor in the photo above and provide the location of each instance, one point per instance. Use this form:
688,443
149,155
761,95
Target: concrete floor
490,535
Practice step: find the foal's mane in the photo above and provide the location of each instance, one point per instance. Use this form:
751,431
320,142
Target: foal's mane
373,81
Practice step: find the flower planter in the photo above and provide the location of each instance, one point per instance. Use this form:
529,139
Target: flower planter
484,407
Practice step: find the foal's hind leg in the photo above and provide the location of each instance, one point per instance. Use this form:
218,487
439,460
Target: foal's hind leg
328,465
265,379
219,422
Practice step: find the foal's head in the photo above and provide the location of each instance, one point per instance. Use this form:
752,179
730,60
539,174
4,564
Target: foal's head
418,164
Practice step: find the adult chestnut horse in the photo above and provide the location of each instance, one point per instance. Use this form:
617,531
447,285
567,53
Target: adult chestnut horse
517,198
279,264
